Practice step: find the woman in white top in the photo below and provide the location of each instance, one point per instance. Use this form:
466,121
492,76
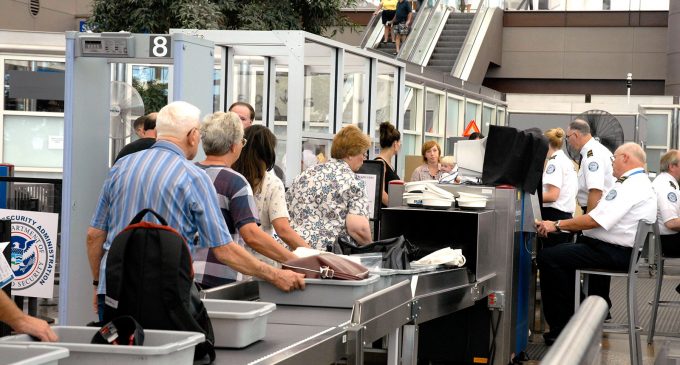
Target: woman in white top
560,185
256,165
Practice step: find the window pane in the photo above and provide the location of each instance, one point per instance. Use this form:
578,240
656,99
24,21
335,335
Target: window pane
152,84
354,92
487,119
35,86
452,116
653,159
318,88
31,141
657,129
409,146
470,114
248,79
432,109
411,112
385,95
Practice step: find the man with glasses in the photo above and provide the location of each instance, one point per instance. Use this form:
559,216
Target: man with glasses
667,194
222,136
595,169
164,179
607,240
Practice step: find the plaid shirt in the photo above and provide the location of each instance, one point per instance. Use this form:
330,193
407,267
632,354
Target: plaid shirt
238,209
162,179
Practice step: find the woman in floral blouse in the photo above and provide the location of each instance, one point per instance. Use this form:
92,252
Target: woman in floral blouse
429,170
328,200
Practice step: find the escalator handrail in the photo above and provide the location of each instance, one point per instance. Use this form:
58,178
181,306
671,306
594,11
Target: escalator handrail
370,28
420,31
470,39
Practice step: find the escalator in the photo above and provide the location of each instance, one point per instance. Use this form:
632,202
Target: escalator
450,42
460,44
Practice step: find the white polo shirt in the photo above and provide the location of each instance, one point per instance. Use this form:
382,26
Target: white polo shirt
667,195
595,171
622,207
560,173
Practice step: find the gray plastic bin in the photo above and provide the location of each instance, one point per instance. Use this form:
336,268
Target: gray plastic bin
238,323
31,355
160,347
321,292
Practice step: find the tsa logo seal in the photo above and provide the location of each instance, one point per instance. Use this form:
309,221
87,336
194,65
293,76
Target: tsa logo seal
611,195
550,170
593,166
33,254
672,197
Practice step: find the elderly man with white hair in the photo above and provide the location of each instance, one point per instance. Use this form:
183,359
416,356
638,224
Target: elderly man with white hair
164,179
608,237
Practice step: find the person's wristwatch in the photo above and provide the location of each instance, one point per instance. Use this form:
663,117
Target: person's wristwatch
557,226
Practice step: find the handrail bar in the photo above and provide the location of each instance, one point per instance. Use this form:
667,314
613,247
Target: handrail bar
419,25
579,342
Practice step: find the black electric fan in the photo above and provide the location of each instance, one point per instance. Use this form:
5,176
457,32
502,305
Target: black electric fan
604,127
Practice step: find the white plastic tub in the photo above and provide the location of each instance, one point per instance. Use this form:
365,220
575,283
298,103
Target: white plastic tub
321,292
160,347
236,323
31,355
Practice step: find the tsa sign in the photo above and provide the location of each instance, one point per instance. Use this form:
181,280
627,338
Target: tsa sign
34,251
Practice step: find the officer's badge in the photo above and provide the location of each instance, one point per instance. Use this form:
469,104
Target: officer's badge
611,195
593,166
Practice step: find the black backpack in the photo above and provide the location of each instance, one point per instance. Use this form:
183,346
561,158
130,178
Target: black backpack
149,276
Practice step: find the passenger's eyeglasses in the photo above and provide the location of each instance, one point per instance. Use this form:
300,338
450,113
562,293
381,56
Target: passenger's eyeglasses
570,135
614,156
244,141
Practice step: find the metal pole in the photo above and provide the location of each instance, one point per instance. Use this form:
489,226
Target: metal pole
5,234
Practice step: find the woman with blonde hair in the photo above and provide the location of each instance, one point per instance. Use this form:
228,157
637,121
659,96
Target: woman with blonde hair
328,200
429,170
559,185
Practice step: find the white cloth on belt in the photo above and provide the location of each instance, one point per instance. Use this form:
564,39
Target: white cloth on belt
444,256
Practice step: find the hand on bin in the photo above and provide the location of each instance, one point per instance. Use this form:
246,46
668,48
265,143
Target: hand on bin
288,281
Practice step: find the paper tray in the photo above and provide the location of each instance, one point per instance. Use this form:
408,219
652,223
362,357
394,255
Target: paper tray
321,292
31,354
238,324
160,347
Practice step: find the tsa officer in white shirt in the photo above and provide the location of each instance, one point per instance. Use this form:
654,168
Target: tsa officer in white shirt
559,186
595,170
608,237
667,194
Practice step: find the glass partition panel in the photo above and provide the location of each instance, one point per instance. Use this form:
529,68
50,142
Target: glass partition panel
434,109
653,158
410,145
471,110
248,75
318,115
151,81
355,90
658,130
501,116
386,95
412,132
281,114
33,141
454,107
487,118
45,91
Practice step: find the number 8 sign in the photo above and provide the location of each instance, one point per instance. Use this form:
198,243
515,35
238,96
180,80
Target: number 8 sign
160,46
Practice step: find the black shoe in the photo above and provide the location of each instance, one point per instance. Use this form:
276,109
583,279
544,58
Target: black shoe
609,317
549,338
677,288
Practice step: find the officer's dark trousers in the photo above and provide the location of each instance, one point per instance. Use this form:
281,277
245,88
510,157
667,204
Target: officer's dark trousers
670,245
557,267
555,238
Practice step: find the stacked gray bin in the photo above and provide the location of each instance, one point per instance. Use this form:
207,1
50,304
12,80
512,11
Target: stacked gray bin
31,355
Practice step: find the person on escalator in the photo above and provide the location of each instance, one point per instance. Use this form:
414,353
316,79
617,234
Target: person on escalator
401,22
388,8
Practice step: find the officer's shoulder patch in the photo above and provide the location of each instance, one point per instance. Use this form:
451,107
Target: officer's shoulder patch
611,195
590,153
672,185
593,166
550,169
672,197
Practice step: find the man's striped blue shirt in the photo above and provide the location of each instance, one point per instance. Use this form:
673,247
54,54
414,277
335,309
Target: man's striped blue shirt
162,179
